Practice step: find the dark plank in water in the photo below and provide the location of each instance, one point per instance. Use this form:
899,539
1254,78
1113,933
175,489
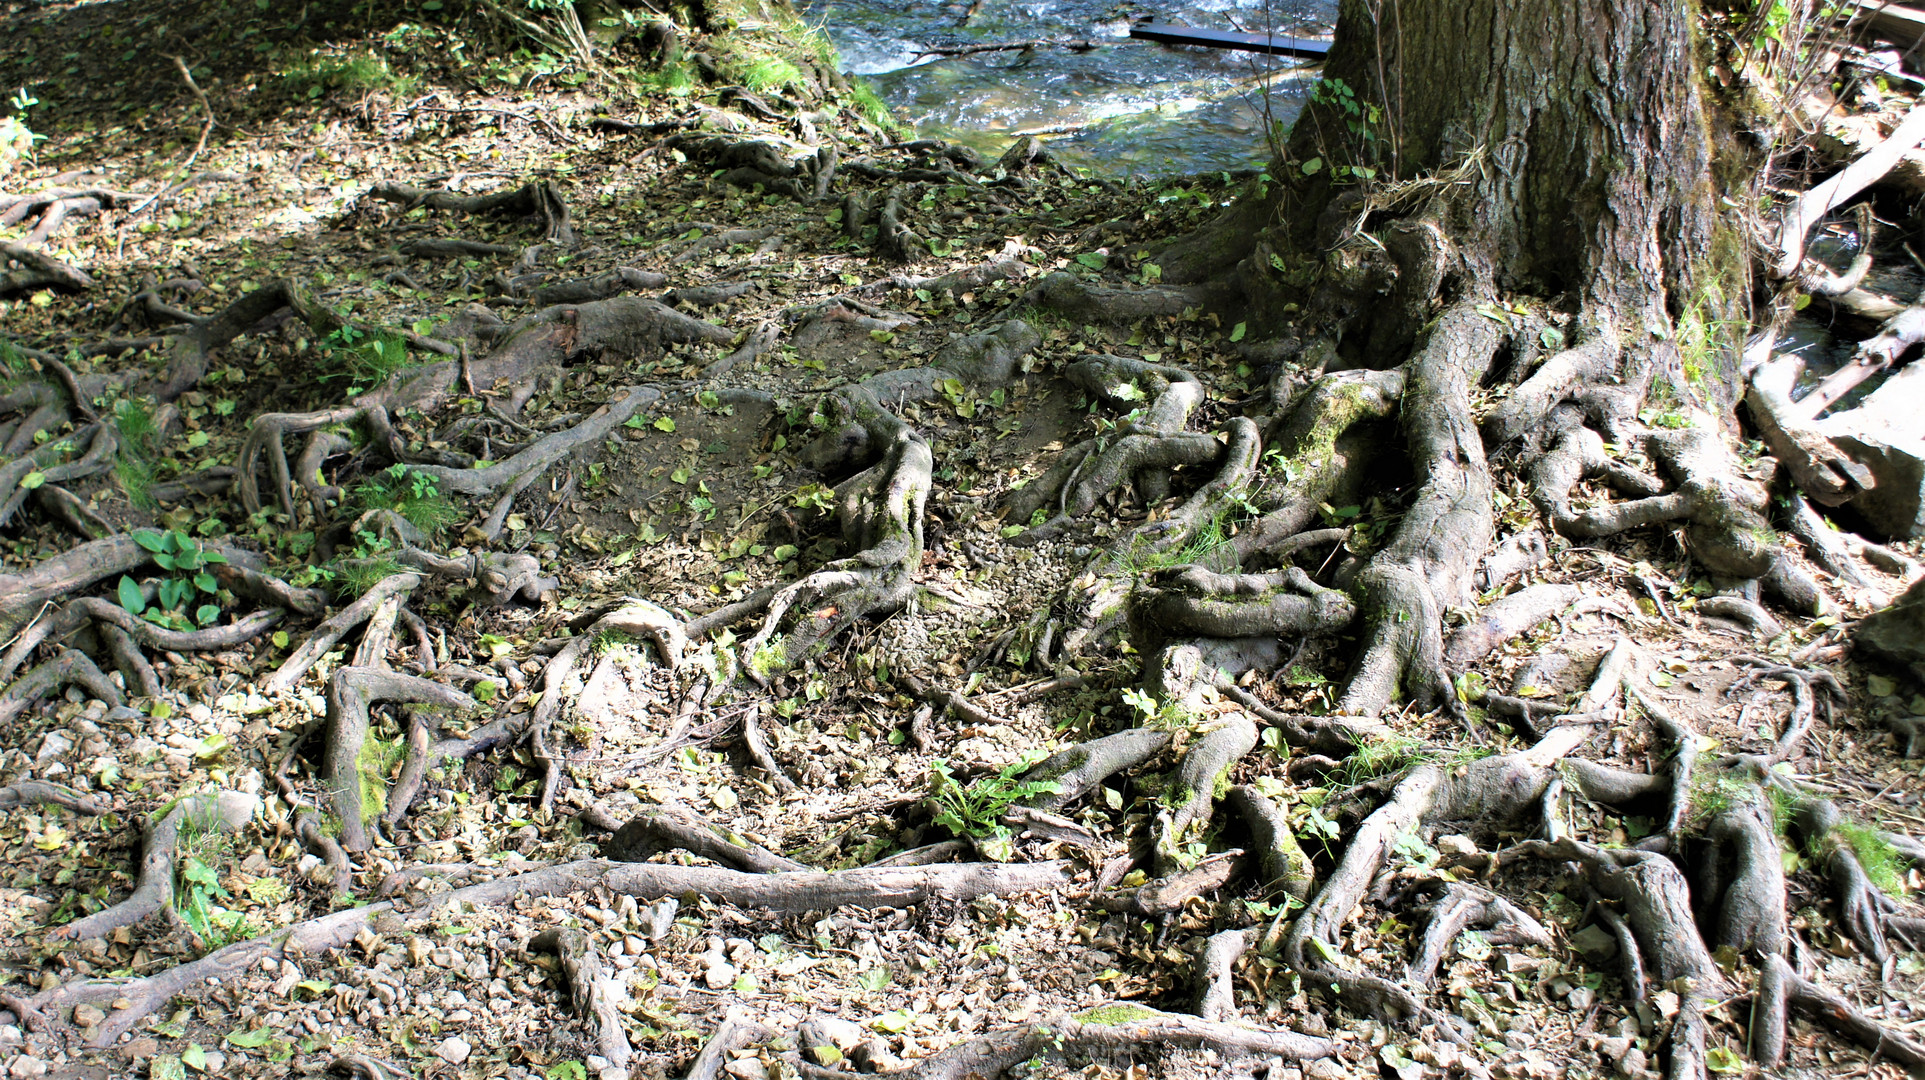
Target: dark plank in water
1274,44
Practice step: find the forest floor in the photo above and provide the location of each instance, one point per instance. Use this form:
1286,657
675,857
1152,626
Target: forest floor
697,501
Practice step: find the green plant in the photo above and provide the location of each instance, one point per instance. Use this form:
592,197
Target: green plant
365,360
189,579
134,461
362,568
1882,863
13,365
361,73
411,494
1380,757
16,138
197,902
973,811
1363,125
1167,715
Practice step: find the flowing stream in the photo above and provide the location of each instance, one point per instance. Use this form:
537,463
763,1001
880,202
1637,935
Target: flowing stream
1122,108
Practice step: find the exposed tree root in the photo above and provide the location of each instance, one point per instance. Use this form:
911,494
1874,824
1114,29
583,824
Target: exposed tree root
637,617
1426,566
1505,619
335,628
1078,769
1781,989
355,788
780,893
539,200
228,811
1490,790
1108,1029
676,829
42,793
38,270
68,667
881,513
1281,862
732,1034
592,991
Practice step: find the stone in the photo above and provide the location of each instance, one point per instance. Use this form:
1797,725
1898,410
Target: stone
656,920
88,1015
1896,633
1883,435
828,1039
140,1049
1895,507
872,1055
26,1065
55,744
746,1069
453,1050
720,974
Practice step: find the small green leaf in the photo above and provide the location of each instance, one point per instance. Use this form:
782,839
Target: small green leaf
485,691
207,613
784,552
250,1039
33,480
205,582
130,597
1236,332
1723,1059
280,639
1094,260
1551,338
663,423
1312,167
194,1057
150,539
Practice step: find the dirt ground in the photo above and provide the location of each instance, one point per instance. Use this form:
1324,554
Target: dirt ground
698,503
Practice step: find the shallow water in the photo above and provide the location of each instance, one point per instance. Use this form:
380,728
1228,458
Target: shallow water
1123,108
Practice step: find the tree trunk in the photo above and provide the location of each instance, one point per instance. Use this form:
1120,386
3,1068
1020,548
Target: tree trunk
1575,132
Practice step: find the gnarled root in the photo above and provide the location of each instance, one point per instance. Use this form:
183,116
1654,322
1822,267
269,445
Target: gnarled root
1108,1029
1507,618
881,516
1490,790
335,627
1655,900
1156,441
69,667
1780,989
536,199
592,992
42,793
1464,906
635,617
1427,564
356,790
227,811
1078,769
668,828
